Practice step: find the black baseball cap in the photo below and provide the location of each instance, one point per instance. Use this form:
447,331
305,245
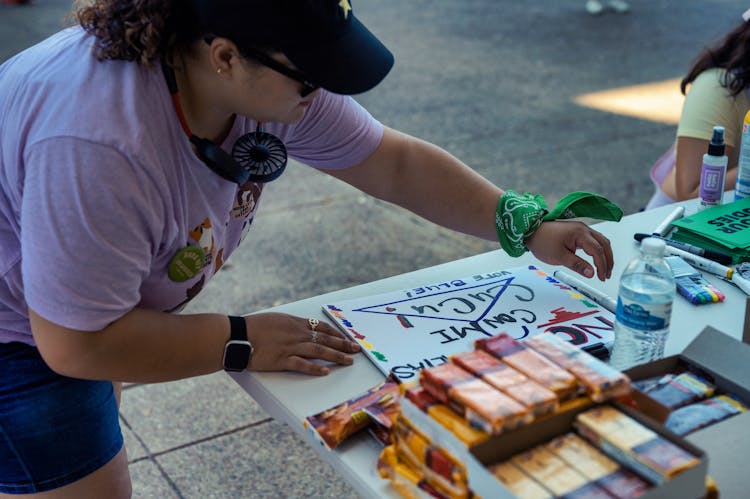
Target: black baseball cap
322,38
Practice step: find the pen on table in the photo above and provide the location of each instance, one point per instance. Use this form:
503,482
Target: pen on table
666,225
716,256
712,267
589,292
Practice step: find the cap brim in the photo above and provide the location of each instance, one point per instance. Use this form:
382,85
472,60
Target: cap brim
352,64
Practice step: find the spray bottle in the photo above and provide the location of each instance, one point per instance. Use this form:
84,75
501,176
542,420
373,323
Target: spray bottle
713,171
742,189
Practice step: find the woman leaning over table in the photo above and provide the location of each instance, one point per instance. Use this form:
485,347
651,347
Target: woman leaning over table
718,94
117,205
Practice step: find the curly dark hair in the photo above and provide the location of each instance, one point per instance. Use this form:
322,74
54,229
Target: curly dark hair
731,53
144,31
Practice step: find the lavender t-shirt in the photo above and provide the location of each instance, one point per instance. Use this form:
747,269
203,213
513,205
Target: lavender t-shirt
101,193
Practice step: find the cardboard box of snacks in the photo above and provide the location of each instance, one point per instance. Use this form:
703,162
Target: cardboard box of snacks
723,361
484,459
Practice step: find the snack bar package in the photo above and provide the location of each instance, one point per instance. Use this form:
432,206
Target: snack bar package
482,405
336,424
600,381
438,468
555,474
447,417
531,363
518,482
648,384
690,418
531,394
439,379
683,389
633,444
597,467
408,482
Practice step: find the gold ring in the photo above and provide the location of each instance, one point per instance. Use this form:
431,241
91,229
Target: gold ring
314,336
313,323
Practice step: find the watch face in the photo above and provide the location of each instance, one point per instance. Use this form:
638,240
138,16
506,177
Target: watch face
237,355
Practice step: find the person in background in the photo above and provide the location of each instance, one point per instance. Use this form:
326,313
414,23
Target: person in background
119,200
716,93
595,7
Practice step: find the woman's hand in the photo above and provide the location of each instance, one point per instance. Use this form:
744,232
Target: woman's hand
283,342
556,243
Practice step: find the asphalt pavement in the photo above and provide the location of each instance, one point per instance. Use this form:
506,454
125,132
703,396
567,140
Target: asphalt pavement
496,83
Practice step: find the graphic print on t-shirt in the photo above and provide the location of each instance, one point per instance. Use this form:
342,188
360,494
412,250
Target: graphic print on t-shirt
203,235
191,293
202,240
246,199
245,204
183,265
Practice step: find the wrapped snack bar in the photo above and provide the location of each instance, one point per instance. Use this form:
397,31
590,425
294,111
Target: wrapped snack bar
556,475
648,384
596,466
518,482
693,417
482,405
437,467
600,381
682,389
531,394
334,425
633,444
447,417
407,481
531,363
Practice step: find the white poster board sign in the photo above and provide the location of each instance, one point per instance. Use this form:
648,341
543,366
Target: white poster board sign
408,330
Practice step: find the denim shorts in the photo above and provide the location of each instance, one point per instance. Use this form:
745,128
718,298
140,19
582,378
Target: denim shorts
54,430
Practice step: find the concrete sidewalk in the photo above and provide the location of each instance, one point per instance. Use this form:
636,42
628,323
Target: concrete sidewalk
492,81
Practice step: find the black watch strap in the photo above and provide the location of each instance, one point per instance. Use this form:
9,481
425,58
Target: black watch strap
238,351
238,328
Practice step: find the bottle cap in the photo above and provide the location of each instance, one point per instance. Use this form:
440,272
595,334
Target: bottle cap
716,146
653,246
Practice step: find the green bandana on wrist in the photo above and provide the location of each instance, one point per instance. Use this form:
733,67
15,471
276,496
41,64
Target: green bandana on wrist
519,215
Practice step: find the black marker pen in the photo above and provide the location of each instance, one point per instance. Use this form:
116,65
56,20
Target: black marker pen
598,350
716,256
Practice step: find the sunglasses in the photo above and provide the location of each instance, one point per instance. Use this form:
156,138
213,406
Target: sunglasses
270,62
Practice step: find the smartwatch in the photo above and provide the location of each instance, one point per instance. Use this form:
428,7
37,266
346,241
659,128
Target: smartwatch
238,351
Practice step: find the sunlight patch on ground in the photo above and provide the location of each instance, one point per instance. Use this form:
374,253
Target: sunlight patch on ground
659,101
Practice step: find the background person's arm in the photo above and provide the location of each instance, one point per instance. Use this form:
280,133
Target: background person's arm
690,153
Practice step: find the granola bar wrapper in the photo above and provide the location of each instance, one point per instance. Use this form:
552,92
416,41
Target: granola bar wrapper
518,482
596,466
408,482
556,475
517,385
437,467
599,380
377,405
693,417
444,415
483,406
531,363
684,388
439,379
638,447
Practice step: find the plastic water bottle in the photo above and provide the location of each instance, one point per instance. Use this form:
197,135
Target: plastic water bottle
644,307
